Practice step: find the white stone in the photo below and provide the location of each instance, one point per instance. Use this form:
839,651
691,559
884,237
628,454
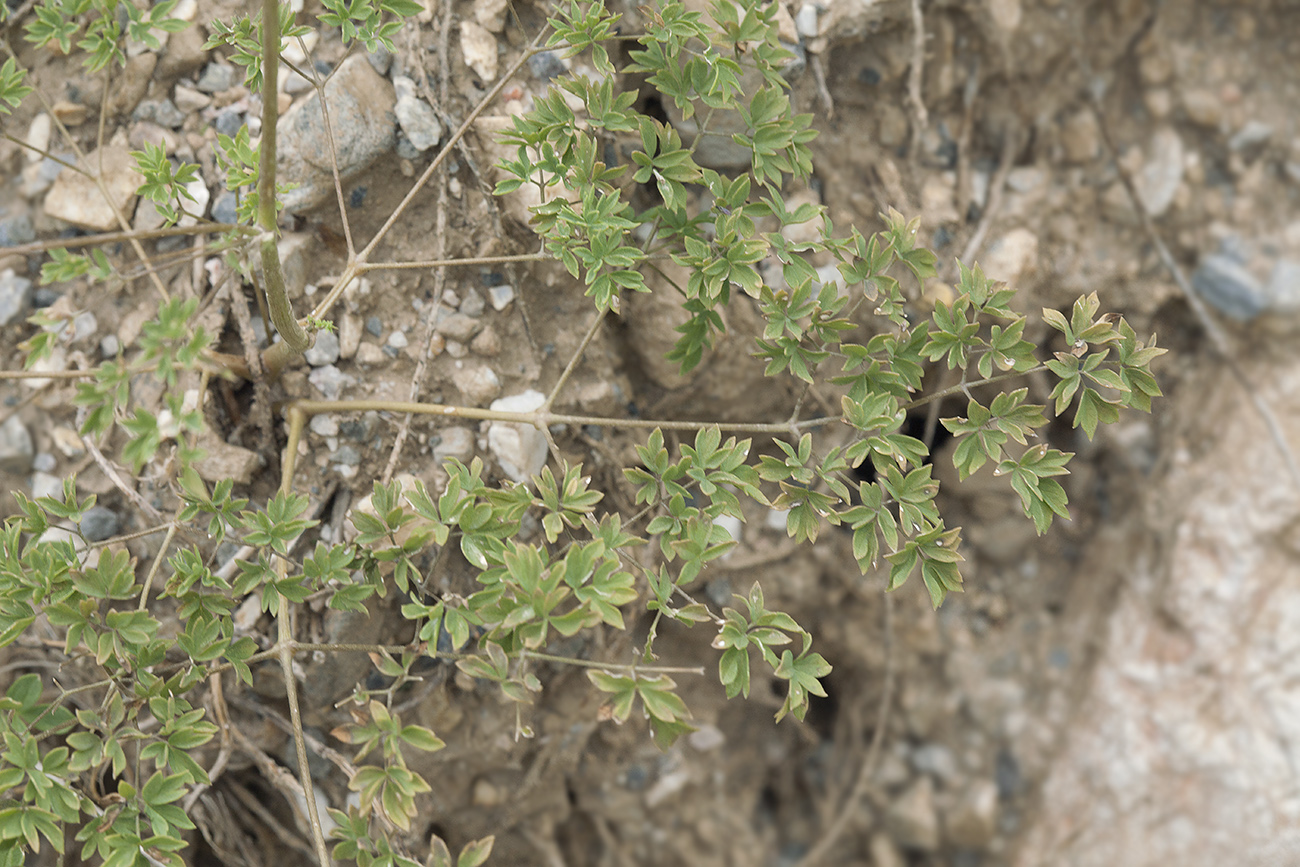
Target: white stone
501,296
1011,258
477,382
491,14
519,448
38,137
398,340
479,49
806,21
1157,183
324,424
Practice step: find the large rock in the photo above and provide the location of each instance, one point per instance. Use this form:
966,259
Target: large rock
1185,746
75,198
364,125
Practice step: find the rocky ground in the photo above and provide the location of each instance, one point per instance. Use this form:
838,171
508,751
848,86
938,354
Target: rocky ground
1120,691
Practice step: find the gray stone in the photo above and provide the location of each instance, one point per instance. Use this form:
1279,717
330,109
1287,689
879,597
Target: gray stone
365,128
39,177
225,461
458,326
17,230
330,381
324,351
160,111
454,442
418,120
911,819
472,304
360,429
16,450
398,340
226,208
84,325
1254,134
99,523
404,149
381,59
375,326
15,296
1229,288
477,382
501,296
229,121
520,449
216,77
546,65
348,456
44,462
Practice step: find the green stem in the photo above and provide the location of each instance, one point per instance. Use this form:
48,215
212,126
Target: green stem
277,298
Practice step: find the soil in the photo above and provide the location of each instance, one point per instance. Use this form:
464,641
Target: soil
979,695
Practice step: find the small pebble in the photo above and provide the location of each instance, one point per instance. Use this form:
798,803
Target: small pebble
17,230
109,346
15,295
397,340
330,381
347,456
44,462
324,351
323,424
1229,288
478,383
472,304
501,296
547,65
454,442
46,485
160,111
216,77
487,343
368,354
83,326
100,523
229,122
375,326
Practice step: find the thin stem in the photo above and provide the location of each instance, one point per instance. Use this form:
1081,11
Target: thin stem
153,570
46,155
630,667
365,267
284,628
964,387
542,420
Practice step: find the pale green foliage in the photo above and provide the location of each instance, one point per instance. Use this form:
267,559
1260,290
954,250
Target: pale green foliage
549,560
